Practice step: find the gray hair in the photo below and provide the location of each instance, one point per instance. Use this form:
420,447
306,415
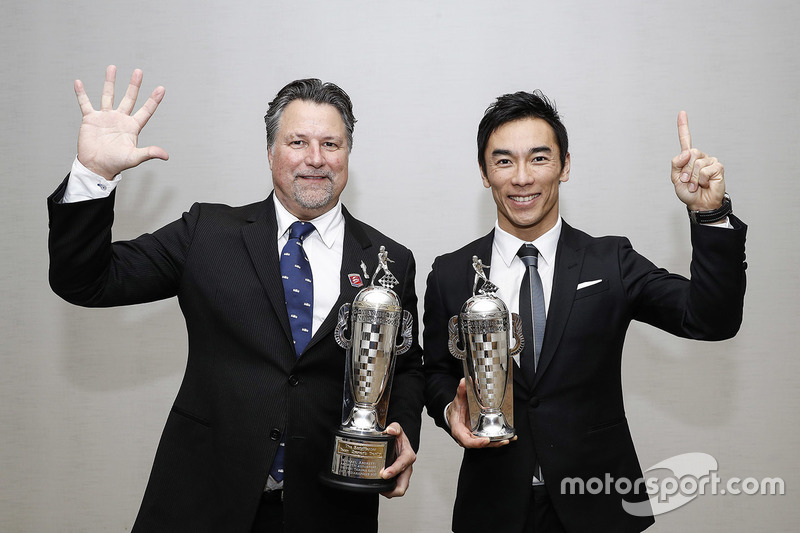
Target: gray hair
310,90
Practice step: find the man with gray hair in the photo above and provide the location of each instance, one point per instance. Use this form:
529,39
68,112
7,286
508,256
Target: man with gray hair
251,427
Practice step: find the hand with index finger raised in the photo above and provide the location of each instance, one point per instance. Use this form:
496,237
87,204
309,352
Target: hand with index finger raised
697,177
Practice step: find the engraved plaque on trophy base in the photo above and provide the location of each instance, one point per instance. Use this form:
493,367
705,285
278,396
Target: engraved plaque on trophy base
358,460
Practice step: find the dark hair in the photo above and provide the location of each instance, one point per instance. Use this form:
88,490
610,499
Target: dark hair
511,107
310,90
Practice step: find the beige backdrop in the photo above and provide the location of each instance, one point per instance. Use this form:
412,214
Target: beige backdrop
85,393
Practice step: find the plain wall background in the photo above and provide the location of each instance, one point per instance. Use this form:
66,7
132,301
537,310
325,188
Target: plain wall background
84,393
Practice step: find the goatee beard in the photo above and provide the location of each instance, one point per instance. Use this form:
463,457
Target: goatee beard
314,196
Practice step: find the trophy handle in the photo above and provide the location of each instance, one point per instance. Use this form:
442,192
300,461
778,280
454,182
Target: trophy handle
341,327
518,338
408,324
452,341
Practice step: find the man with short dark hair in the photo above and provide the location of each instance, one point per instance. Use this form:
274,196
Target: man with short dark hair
252,426
577,295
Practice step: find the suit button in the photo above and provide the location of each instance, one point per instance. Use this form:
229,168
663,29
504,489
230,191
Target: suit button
534,402
275,434
293,380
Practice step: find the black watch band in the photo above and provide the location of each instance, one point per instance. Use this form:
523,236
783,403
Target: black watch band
715,215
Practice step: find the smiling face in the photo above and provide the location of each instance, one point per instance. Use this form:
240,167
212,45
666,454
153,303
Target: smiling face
309,158
523,169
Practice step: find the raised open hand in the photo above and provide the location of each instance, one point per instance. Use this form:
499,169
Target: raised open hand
108,137
699,179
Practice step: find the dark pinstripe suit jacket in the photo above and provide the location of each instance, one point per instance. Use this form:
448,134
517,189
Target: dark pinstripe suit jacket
243,384
572,417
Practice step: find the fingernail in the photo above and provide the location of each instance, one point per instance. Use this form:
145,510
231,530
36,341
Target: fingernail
684,177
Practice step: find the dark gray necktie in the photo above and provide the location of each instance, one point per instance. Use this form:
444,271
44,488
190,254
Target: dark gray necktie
531,311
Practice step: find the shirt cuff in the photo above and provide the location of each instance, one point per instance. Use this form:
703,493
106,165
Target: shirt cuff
83,184
724,223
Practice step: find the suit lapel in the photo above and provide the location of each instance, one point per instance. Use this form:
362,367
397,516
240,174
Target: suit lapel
356,248
569,259
261,238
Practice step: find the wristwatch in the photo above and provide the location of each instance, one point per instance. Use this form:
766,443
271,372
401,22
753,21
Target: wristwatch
715,215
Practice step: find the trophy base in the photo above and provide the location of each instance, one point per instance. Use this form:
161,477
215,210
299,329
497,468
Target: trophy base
357,462
494,426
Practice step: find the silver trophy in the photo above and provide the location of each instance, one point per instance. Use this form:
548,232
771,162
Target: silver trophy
483,330
372,322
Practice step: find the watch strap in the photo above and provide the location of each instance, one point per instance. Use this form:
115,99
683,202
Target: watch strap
714,215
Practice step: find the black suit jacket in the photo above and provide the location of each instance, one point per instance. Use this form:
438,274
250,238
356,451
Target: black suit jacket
572,417
243,387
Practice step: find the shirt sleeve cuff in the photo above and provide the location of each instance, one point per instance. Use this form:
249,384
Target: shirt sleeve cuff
724,223
83,184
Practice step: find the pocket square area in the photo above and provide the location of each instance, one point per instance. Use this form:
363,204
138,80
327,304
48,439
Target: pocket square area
584,284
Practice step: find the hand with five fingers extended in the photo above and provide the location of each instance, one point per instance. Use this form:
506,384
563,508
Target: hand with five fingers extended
108,137
458,417
699,179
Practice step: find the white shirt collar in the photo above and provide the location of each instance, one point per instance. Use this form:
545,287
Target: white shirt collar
326,224
508,245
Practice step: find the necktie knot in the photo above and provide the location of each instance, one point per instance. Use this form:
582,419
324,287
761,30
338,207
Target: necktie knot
300,230
529,255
